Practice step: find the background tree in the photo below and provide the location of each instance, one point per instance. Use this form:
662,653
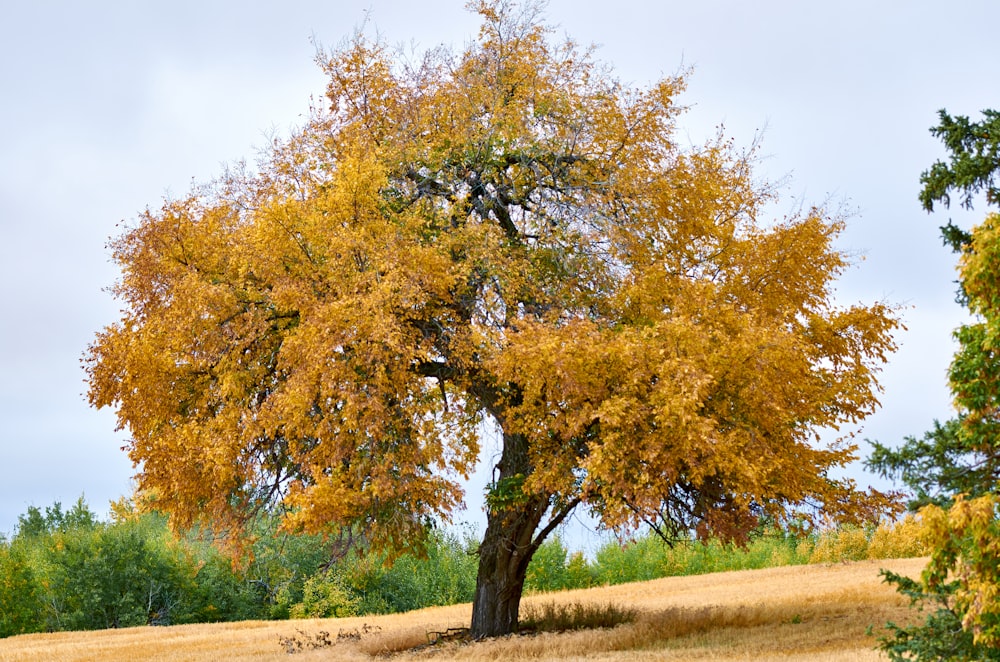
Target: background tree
508,236
955,467
942,463
959,456
21,602
55,520
972,167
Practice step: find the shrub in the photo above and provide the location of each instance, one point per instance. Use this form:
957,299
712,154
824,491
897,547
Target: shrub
553,568
849,543
20,594
650,558
281,564
323,596
940,637
445,575
895,540
639,560
579,574
116,575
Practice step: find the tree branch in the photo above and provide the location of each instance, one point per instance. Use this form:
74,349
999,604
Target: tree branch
439,370
556,520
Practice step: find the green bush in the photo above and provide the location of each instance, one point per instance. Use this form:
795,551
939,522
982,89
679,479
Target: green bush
639,560
323,596
64,569
579,574
116,575
445,575
21,603
650,558
553,568
67,570
275,579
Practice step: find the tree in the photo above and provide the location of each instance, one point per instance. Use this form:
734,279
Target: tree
958,456
508,236
974,161
34,523
20,592
953,470
95,575
966,555
942,463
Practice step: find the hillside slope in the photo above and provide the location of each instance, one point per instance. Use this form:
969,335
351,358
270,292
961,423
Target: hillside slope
790,613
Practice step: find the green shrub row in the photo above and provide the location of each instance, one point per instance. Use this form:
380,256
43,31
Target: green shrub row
555,568
65,570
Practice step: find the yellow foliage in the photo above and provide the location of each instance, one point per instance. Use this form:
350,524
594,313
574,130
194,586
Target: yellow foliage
123,509
836,546
899,540
905,538
964,541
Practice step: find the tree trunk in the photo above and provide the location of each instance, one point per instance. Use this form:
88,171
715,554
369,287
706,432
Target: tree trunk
503,564
507,546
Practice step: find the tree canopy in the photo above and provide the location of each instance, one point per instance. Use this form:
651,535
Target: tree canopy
505,236
973,161
972,167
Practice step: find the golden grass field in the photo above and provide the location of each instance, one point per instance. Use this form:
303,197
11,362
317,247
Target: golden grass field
796,613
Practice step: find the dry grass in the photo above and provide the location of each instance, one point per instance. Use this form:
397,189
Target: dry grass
791,613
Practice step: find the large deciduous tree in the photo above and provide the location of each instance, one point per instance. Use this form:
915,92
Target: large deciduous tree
507,236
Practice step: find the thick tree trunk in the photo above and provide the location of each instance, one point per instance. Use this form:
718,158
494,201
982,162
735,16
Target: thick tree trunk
507,546
503,563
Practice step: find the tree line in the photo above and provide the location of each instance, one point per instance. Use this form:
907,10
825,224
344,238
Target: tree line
65,569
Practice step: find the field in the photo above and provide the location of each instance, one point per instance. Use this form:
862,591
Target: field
817,612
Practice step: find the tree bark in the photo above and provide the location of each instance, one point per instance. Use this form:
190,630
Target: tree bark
504,555
507,547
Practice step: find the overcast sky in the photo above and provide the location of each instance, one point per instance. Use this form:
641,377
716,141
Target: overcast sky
107,107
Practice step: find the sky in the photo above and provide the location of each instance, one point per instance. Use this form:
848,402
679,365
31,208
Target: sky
108,107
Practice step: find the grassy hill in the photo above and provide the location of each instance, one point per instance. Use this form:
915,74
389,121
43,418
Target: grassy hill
817,612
